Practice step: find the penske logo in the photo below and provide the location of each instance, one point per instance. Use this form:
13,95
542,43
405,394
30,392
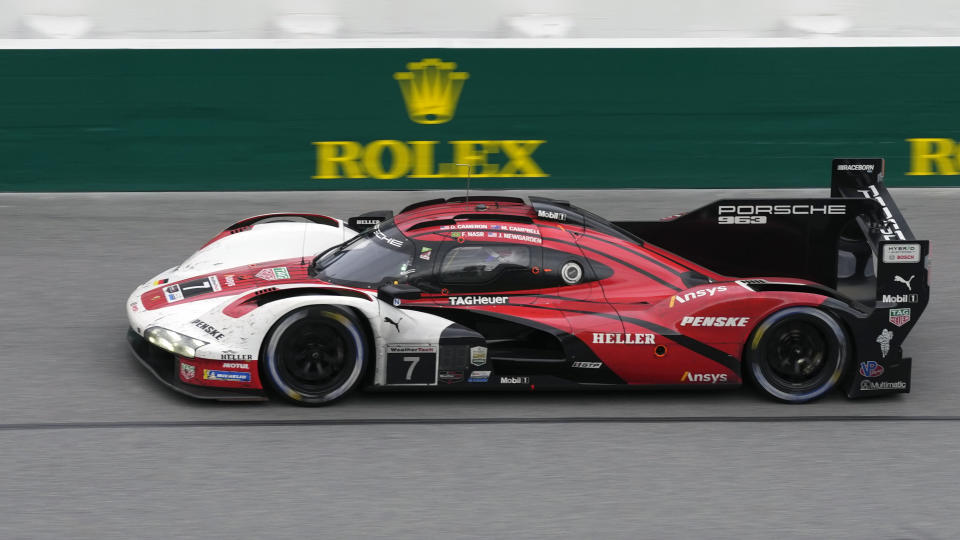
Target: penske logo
431,90
714,321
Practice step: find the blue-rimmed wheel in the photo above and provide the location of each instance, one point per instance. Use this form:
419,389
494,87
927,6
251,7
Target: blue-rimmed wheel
797,354
314,355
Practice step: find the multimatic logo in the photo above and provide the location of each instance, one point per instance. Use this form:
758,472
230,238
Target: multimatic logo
431,91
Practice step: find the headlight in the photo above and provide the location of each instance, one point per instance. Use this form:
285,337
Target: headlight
169,340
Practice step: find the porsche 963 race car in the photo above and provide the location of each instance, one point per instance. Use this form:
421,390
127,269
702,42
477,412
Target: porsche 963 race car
798,296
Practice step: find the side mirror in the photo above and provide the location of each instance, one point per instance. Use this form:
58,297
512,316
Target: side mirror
394,294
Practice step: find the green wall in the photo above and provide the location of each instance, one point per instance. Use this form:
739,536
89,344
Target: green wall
119,120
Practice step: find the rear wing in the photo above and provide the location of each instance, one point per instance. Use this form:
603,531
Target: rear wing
799,238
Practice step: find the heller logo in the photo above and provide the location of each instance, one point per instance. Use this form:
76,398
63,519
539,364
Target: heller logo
431,90
624,339
711,378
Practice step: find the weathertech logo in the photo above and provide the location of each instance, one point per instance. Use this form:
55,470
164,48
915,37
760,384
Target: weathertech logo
431,90
714,321
711,378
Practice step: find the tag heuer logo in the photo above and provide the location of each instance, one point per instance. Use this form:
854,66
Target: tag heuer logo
431,90
899,317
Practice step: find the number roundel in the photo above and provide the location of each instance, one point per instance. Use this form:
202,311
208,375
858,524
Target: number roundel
571,273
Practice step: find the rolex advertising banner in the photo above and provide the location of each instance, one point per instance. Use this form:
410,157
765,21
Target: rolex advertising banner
326,119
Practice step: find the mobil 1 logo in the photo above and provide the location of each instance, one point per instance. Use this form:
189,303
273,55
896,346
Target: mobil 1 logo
411,365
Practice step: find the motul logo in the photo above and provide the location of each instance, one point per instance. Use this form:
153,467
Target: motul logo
711,378
714,321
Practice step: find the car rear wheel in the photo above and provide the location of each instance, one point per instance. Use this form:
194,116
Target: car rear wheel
314,355
797,355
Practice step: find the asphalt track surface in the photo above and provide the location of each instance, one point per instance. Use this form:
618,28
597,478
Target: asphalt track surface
92,447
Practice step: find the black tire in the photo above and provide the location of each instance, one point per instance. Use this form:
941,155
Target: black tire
797,355
314,355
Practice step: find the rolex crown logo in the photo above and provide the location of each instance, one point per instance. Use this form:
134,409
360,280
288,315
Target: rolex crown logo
431,90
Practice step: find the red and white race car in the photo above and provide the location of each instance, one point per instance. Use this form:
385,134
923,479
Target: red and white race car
799,295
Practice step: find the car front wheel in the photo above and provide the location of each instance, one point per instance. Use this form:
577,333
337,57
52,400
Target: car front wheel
797,354
314,355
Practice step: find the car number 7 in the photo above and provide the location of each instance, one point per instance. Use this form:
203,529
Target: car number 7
414,360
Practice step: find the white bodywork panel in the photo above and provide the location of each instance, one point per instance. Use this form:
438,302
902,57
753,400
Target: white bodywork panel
243,336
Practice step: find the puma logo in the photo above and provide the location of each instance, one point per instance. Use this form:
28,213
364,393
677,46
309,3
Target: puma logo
905,281
391,321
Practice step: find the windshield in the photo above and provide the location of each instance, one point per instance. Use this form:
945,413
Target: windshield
368,259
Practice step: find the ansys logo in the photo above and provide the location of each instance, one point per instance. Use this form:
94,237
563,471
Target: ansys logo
431,90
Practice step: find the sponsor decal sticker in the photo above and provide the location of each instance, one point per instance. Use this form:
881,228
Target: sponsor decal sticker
425,253
478,356
855,167
900,298
235,365
587,365
871,369
478,300
868,385
236,357
549,214
906,282
625,339
160,282
890,229
134,306
230,376
756,214
396,302
395,242
451,377
187,371
708,291
173,293
514,380
479,376
901,253
899,317
216,334
884,340
271,274
714,321
229,281
711,378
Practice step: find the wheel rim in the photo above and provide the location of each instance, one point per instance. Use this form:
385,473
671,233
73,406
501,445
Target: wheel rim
314,358
797,353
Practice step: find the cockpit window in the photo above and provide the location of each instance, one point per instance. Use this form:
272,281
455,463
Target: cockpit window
368,260
483,263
